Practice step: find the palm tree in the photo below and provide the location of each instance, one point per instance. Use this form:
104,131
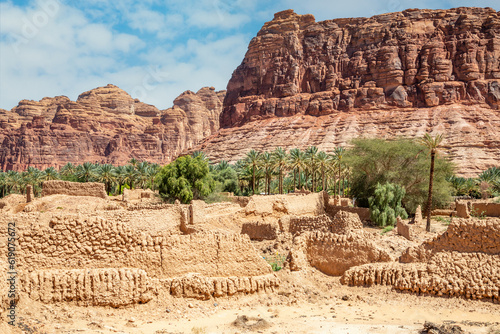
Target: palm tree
120,177
266,161
51,174
311,156
297,162
13,181
252,160
35,177
106,174
222,165
133,162
67,169
432,144
142,174
200,154
131,175
280,159
323,162
85,172
339,155
151,172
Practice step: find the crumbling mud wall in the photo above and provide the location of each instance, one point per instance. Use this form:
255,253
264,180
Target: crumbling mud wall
202,213
463,235
297,205
363,213
298,225
463,261
260,230
94,261
202,287
470,275
333,254
478,208
56,187
113,287
72,242
344,222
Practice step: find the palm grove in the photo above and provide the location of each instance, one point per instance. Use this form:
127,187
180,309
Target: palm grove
390,177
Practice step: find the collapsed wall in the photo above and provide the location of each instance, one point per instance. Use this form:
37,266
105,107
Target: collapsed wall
57,187
463,261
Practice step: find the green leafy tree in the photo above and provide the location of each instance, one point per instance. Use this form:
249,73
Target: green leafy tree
432,144
385,205
185,179
121,176
402,162
227,178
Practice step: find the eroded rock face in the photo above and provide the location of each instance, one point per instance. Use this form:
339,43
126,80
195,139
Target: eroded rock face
398,74
104,125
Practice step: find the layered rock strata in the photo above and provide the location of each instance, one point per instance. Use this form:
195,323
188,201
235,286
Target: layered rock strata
305,83
104,125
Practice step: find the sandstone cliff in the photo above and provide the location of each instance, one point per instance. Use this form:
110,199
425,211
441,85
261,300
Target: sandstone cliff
307,83
104,125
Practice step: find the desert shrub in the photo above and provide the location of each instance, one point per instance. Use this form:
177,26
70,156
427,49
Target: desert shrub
402,162
276,261
385,205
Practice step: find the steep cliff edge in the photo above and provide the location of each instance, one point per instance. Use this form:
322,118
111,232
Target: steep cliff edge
395,74
104,125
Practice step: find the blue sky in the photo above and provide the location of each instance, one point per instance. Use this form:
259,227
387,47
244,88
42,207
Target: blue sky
153,49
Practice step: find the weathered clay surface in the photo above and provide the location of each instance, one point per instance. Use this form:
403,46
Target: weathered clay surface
57,187
333,254
104,125
305,83
464,261
463,235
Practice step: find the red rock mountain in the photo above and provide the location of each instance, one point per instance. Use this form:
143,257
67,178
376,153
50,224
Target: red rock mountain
104,125
305,83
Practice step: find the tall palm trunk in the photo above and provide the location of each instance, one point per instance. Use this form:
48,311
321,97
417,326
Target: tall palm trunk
253,180
300,183
294,176
340,194
429,198
323,179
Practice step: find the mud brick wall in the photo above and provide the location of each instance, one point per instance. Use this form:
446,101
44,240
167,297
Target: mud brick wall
333,254
363,213
470,275
56,187
260,230
97,287
302,224
462,235
72,242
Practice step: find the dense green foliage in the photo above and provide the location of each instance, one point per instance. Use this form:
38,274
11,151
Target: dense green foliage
385,204
402,162
185,179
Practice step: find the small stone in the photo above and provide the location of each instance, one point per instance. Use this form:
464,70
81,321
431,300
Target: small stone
190,305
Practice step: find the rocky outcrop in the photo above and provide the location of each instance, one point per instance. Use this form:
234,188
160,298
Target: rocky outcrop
104,125
305,83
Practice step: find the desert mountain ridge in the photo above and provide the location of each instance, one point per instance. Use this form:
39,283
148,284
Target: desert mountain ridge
104,125
301,83
400,74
